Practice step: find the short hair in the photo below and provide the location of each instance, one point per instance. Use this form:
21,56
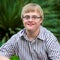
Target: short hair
31,7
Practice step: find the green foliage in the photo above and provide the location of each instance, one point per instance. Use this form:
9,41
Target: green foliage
10,17
14,58
10,20
52,20
9,14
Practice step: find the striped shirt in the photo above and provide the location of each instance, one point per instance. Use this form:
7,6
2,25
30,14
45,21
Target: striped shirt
44,47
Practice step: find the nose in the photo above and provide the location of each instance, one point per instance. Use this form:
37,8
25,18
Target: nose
30,19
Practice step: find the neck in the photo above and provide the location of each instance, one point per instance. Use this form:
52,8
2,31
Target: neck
32,35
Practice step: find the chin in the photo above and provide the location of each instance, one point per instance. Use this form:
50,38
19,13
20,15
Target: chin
30,30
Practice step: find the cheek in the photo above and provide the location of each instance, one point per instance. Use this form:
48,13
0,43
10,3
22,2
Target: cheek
24,23
39,22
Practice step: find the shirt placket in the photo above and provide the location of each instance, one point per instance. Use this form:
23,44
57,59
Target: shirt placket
30,48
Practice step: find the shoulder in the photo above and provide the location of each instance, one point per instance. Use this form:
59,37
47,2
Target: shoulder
50,39
16,36
48,34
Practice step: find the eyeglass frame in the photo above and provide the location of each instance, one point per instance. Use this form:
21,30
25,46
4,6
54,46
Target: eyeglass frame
34,17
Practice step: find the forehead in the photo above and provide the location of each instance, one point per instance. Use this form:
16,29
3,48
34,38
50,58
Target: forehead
32,13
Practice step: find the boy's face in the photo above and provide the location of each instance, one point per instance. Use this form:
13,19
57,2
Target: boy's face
32,21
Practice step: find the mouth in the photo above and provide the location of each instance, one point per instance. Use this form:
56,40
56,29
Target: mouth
30,24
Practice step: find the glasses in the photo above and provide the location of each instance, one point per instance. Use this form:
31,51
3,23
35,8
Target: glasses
34,17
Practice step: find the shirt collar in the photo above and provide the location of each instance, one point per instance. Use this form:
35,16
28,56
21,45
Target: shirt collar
41,35
21,32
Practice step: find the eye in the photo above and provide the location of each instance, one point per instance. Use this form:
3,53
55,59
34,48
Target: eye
34,17
26,17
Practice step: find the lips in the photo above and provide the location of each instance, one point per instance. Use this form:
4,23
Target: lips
30,24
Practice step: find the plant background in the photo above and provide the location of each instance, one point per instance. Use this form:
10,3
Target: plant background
11,23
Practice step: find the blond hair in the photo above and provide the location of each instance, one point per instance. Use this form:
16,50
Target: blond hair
31,7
